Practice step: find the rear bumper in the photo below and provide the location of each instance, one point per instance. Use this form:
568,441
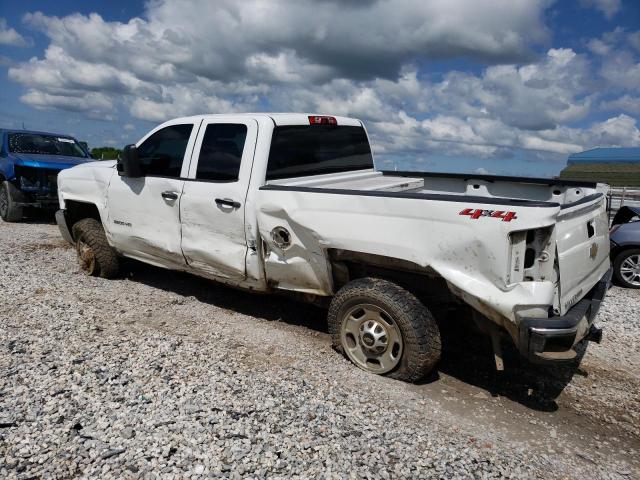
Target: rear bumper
552,339
61,220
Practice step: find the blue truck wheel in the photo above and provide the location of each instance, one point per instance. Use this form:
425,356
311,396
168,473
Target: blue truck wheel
9,211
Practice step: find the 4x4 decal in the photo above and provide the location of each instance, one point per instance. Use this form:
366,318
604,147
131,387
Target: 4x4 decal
476,213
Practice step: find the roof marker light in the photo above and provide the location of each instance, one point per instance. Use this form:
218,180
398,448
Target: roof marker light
322,120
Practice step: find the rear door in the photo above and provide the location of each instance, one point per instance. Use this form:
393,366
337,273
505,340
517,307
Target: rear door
144,213
212,208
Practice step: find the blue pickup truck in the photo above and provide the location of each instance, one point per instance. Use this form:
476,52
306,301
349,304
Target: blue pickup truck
29,166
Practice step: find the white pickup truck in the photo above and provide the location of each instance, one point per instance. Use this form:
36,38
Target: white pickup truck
293,203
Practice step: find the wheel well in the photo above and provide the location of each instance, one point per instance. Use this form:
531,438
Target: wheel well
424,282
620,249
76,211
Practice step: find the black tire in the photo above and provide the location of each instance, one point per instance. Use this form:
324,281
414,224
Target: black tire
421,345
95,255
631,255
9,211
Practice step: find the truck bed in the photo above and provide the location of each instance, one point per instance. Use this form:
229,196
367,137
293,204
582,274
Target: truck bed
447,186
438,207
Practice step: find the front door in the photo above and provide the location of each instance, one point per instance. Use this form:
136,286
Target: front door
212,207
144,213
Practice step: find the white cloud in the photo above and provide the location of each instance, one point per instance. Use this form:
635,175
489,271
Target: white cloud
60,71
535,96
608,7
355,40
480,137
93,104
625,103
183,100
620,131
365,59
9,36
620,65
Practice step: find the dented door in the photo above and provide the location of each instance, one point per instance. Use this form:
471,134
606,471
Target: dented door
144,213
212,208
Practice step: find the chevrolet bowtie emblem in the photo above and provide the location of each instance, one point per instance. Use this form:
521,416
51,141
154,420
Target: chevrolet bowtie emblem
593,251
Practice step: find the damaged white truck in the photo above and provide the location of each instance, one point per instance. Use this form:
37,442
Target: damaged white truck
293,203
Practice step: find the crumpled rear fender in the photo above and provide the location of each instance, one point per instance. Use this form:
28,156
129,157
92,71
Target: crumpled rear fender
471,255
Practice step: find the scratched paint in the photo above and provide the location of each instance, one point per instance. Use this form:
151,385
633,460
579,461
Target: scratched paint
482,259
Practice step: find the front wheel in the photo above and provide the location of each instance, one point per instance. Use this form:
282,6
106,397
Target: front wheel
384,329
95,256
626,268
9,211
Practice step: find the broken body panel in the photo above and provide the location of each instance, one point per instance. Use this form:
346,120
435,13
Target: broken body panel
33,171
510,248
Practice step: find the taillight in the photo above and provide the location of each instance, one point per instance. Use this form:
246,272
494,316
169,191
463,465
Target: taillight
322,120
532,255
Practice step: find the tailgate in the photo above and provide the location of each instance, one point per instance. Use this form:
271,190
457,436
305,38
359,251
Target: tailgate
582,242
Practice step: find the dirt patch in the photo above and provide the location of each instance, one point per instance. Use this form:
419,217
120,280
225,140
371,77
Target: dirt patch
45,247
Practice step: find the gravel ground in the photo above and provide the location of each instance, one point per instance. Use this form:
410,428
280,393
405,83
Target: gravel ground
165,374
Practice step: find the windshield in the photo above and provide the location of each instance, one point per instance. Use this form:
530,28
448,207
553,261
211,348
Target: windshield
44,145
302,150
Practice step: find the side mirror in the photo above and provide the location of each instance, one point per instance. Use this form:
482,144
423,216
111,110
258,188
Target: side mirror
128,164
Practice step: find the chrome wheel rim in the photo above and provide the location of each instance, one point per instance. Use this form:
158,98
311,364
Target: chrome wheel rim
630,270
86,257
371,338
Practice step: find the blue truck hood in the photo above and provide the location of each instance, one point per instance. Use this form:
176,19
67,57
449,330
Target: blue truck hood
47,161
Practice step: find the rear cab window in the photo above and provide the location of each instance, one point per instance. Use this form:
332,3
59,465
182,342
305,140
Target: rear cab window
221,152
305,150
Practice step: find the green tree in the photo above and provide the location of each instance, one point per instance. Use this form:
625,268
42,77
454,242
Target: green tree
105,153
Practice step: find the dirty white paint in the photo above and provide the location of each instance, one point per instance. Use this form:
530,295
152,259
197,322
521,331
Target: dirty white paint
213,234
482,259
142,223
87,183
582,251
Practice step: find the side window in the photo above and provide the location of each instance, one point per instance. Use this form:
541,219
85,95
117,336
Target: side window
221,152
162,153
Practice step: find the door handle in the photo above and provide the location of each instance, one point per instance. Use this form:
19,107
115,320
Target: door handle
168,195
227,202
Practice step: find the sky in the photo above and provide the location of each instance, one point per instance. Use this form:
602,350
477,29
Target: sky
506,87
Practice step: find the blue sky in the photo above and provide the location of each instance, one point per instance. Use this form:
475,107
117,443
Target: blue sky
506,87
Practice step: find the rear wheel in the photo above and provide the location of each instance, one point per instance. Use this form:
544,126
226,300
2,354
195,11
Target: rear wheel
626,268
95,255
384,329
9,211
